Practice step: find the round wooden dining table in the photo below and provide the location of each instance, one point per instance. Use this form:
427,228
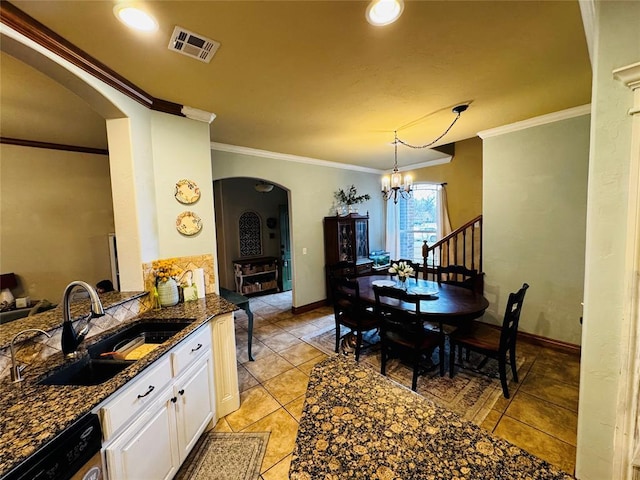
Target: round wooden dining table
443,303
450,304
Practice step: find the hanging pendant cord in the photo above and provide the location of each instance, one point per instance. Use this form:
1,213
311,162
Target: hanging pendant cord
426,145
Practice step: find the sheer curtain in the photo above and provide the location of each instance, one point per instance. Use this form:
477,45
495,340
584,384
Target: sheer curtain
393,230
444,224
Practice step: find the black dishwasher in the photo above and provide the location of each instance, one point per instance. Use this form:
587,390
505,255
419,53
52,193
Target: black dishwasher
65,455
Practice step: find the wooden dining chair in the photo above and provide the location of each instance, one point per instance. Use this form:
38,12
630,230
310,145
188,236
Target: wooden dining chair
460,276
402,329
492,342
349,310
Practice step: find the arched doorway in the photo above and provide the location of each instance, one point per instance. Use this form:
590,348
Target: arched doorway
267,205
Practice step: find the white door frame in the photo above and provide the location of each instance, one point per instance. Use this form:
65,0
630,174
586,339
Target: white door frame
627,442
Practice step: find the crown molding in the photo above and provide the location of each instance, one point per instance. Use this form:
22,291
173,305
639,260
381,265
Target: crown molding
537,121
52,146
18,21
630,76
197,114
224,147
588,14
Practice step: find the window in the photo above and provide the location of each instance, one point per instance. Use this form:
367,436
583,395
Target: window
418,220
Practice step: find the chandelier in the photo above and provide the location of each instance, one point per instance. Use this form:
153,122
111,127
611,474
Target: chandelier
393,186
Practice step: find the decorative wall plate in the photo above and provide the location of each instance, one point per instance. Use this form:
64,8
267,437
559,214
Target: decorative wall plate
187,192
188,223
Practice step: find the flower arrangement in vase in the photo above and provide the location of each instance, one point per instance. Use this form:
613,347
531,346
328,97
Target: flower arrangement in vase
403,270
349,198
166,272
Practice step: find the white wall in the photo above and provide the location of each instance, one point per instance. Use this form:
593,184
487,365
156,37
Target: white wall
535,192
181,151
311,197
617,44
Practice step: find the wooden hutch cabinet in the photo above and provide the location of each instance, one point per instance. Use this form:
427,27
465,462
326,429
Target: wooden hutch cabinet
346,239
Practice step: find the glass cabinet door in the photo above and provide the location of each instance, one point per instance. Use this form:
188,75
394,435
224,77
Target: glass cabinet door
345,242
362,239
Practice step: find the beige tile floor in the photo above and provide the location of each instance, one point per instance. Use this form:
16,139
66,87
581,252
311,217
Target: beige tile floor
540,417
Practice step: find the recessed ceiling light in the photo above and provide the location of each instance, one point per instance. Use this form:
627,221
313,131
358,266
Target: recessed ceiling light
135,18
384,12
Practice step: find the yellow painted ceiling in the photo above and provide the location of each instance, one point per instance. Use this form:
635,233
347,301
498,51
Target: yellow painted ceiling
313,78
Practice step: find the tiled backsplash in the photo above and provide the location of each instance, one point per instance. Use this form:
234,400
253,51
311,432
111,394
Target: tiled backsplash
185,263
41,346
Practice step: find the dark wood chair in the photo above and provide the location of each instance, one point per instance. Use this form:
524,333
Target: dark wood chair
492,342
461,276
349,310
402,329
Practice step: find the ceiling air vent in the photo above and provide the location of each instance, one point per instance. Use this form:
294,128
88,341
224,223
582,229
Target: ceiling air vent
193,45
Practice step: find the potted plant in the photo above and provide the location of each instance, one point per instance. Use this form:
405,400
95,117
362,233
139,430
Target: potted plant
349,198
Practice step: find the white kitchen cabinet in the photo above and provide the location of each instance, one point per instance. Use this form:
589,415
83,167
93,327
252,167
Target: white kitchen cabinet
158,436
148,450
194,400
225,364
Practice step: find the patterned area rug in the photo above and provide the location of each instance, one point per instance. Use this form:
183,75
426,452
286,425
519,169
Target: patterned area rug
225,456
471,395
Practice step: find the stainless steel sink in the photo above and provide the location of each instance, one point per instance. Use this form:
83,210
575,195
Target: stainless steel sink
86,371
99,366
152,331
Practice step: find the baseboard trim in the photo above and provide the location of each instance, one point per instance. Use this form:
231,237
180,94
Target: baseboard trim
308,308
544,341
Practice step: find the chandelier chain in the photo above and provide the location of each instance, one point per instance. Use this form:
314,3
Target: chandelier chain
426,145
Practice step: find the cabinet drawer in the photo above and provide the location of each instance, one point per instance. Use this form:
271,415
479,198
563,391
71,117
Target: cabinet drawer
191,348
133,397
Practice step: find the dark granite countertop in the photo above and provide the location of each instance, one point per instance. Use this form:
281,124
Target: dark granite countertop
33,414
52,319
358,424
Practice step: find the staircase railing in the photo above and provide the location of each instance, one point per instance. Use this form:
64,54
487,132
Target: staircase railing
463,247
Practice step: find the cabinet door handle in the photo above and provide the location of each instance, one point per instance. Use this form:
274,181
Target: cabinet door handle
174,399
151,388
181,392
197,348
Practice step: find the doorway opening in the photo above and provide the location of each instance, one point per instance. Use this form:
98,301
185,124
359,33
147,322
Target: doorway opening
253,230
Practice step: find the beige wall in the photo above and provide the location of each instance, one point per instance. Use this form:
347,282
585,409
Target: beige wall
606,329
55,216
463,176
535,193
234,196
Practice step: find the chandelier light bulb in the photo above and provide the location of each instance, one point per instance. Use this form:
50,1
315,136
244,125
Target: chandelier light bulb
384,12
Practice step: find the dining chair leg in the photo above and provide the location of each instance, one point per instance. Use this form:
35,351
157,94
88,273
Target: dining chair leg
358,344
337,336
512,359
502,367
441,353
383,360
416,369
452,358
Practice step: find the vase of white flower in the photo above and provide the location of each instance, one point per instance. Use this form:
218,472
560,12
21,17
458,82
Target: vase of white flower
404,271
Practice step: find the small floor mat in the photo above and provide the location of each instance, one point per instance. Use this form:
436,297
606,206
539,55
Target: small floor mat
225,456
